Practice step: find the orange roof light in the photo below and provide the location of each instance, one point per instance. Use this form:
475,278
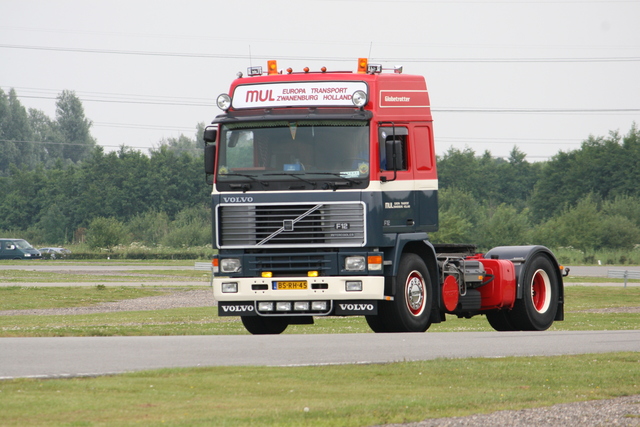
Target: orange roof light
306,69
362,65
272,67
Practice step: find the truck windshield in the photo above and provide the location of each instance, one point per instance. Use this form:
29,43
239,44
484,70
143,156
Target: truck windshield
300,151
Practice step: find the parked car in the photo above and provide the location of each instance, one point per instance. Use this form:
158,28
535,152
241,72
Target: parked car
18,249
54,253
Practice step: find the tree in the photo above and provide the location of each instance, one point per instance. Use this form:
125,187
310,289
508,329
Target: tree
105,233
53,226
504,226
16,136
74,127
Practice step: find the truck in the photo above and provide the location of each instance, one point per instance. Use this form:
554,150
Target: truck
324,192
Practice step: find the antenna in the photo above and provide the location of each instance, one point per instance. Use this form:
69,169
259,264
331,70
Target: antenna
250,61
370,47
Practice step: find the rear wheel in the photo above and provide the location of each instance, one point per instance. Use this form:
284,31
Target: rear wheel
539,304
259,325
499,320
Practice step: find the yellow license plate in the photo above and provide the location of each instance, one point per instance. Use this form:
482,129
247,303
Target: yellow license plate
289,285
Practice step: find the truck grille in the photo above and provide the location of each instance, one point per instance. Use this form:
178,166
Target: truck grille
289,225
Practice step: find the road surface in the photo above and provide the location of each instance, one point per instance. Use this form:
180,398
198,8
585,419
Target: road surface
80,356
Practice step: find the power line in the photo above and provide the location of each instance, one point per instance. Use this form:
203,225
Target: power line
326,59
537,110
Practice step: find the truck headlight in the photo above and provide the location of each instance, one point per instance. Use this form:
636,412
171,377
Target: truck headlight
223,101
354,263
359,98
230,265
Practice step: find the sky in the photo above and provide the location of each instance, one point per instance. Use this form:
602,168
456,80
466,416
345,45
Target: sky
540,75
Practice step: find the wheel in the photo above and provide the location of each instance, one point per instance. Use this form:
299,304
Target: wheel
539,304
410,311
377,323
499,320
259,325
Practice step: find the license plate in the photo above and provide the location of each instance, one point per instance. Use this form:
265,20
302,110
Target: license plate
280,286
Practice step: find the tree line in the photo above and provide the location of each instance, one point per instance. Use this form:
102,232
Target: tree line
60,190
587,199
57,184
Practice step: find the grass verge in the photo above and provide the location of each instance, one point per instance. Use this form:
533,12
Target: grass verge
347,395
587,308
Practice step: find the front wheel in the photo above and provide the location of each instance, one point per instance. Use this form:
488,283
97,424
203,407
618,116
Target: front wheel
410,311
540,293
258,325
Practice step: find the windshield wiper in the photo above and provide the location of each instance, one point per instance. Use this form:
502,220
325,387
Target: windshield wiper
244,186
295,175
348,182
251,177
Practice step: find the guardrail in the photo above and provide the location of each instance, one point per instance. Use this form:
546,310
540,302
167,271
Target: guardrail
623,274
205,266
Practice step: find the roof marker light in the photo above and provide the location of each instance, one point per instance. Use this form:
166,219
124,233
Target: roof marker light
374,69
323,69
289,70
362,65
254,71
272,67
306,69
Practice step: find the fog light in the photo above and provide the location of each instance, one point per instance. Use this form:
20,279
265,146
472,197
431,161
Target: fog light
319,305
301,306
354,286
265,306
230,287
283,306
354,263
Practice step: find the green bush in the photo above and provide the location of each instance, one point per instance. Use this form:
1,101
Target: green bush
105,233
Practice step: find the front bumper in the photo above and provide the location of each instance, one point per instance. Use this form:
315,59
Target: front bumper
318,288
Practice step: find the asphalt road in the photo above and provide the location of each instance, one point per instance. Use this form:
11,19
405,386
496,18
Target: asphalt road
61,357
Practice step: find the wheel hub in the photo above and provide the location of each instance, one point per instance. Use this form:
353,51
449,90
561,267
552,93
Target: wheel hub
415,293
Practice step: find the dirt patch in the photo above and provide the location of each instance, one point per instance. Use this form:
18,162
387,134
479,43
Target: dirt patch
173,299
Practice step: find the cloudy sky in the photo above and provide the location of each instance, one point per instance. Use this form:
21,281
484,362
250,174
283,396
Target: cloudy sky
542,75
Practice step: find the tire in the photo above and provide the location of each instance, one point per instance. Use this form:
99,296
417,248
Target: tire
499,320
377,323
539,304
410,311
258,325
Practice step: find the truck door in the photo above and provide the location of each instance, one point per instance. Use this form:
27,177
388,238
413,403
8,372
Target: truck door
400,212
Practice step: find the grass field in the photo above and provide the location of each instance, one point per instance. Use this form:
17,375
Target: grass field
346,395
587,308
350,395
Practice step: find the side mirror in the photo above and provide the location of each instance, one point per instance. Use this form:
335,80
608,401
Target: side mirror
210,134
209,159
395,155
